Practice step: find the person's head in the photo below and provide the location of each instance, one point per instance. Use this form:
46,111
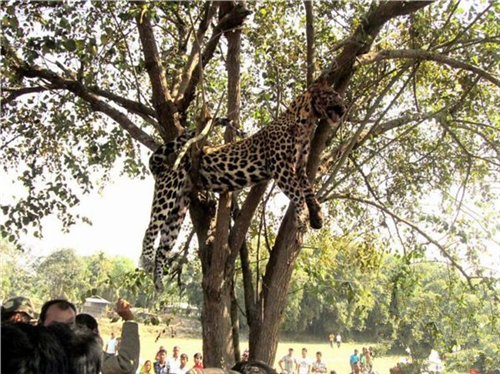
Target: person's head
84,320
290,351
198,357
176,351
18,309
318,356
184,360
304,352
355,351
146,368
162,355
57,348
365,350
58,310
245,355
112,335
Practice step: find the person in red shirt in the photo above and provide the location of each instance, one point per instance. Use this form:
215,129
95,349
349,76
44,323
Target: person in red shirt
198,364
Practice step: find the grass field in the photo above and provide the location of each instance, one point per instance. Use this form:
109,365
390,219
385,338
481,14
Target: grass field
335,358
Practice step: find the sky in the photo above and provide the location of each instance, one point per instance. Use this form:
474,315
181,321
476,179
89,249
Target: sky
120,214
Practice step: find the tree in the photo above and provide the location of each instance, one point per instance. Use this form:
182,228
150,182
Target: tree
90,84
63,272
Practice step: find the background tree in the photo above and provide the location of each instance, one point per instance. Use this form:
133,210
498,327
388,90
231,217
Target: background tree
89,84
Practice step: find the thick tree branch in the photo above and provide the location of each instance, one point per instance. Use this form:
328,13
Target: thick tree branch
420,55
209,12
310,40
162,102
341,70
130,105
95,102
230,21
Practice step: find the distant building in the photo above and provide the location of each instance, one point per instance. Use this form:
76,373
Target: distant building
95,306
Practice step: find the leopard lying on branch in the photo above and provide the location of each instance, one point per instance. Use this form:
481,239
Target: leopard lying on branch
278,151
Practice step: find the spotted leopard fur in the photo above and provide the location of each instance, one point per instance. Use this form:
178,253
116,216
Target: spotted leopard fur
278,151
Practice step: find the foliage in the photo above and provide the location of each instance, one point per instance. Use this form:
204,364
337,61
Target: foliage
65,274
412,164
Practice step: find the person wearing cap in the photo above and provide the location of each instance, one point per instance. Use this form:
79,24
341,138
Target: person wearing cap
18,309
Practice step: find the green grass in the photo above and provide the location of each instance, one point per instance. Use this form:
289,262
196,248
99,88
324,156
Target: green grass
336,358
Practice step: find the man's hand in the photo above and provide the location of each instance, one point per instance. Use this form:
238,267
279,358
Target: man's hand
123,310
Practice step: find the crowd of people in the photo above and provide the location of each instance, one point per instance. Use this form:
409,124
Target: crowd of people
360,363
63,341
177,364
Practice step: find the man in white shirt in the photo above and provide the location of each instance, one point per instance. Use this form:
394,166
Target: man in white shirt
318,366
111,345
304,363
289,362
339,340
174,362
183,369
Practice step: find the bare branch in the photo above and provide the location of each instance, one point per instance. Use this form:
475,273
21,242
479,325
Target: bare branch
162,102
413,226
15,93
421,55
208,14
95,102
230,21
310,41
130,105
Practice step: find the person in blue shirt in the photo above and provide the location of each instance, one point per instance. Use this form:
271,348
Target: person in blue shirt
354,361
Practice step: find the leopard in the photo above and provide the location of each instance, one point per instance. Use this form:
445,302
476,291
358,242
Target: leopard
278,151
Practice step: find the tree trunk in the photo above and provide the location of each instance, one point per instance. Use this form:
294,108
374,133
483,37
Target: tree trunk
265,316
218,317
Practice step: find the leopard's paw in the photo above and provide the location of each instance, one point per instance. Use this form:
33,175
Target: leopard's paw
316,220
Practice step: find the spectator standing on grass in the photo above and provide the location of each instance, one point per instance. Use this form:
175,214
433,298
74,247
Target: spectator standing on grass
146,368
161,366
304,363
126,360
339,340
354,361
318,366
288,361
183,369
157,356
174,362
111,345
331,337
198,364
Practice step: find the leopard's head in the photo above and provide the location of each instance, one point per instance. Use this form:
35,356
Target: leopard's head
326,102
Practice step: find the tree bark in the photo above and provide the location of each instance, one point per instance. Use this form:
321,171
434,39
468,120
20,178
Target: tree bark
220,316
162,102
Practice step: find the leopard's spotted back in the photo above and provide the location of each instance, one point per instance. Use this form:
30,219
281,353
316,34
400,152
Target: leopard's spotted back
278,151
